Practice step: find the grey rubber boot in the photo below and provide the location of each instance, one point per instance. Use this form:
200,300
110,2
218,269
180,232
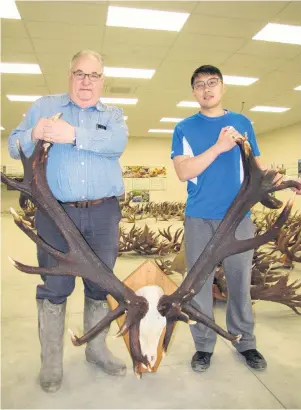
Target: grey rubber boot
96,350
51,331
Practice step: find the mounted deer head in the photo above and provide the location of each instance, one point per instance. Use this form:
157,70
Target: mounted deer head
80,260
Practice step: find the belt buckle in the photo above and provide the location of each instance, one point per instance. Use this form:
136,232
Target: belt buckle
81,204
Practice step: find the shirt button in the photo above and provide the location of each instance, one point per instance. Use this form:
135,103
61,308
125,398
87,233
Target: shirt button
83,163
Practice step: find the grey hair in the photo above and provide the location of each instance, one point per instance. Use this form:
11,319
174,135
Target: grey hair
92,53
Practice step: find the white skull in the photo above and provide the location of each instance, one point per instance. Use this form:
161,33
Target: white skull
152,325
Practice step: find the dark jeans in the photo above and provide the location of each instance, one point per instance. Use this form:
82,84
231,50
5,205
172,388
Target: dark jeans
99,225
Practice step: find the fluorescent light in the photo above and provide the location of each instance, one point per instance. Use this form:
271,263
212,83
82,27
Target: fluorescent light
24,98
298,88
166,119
2,129
269,109
160,131
125,117
128,72
128,101
193,104
280,33
145,19
20,68
9,10
236,80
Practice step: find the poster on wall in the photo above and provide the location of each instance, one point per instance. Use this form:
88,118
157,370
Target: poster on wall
140,184
158,184
157,172
128,184
135,171
138,196
157,178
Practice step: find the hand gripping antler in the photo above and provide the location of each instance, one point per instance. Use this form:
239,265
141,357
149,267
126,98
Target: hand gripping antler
80,260
257,187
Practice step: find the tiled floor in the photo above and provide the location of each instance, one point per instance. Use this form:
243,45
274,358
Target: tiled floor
228,384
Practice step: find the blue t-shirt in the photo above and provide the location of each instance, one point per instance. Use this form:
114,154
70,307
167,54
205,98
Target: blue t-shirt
211,193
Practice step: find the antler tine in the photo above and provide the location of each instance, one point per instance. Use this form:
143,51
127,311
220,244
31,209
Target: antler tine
92,333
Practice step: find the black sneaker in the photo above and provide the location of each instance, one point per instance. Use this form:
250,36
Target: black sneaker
254,359
200,361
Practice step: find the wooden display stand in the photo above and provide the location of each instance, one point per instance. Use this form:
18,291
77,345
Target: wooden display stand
146,274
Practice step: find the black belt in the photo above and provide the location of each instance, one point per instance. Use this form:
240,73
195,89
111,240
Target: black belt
87,203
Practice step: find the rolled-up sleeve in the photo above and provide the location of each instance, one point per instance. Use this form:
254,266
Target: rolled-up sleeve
110,142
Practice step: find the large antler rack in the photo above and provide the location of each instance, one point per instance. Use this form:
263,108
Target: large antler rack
257,187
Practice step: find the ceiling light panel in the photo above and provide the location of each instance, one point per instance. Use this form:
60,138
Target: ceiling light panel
128,72
145,19
298,88
263,108
23,98
125,101
167,119
8,10
188,104
236,80
161,131
280,33
19,68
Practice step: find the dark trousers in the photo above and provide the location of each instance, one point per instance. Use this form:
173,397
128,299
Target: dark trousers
99,225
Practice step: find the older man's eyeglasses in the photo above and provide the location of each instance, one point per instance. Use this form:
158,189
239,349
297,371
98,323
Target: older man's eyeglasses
212,82
79,75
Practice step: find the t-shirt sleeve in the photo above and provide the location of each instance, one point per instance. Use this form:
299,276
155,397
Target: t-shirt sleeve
177,142
253,141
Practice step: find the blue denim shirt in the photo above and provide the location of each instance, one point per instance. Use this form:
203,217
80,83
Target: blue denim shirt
88,170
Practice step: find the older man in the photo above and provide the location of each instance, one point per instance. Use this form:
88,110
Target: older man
85,176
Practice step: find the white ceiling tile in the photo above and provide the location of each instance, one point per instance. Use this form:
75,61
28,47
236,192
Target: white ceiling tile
245,10
13,28
64,32
82,13
267,48
219,26
59,46
290,14
131,36
208,42
12,46
23,84
291,66
197,57
250,65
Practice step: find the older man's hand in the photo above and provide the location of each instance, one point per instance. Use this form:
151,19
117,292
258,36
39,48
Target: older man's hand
58,132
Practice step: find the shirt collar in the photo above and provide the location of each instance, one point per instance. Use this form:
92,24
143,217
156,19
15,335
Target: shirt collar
67,100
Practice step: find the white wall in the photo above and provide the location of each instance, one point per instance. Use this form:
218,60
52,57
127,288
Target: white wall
282,146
